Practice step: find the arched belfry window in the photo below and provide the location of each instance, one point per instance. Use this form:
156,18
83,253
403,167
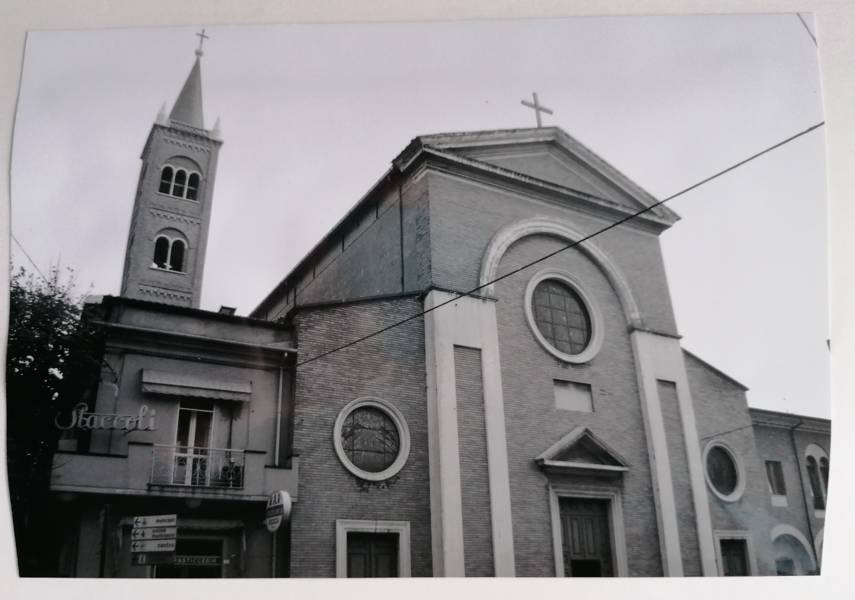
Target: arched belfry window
169,253
179,182
161,252
178,185
192,186
166,180
176,256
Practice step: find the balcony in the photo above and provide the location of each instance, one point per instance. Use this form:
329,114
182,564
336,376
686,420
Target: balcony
174,471
197,467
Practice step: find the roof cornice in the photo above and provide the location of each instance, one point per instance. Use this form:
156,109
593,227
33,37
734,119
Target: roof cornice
465,165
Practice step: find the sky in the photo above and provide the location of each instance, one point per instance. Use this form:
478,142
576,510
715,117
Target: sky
312,116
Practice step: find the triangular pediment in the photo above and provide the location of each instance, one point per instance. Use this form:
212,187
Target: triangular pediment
581,450
554,157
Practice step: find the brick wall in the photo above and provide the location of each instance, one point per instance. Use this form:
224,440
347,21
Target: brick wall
472,437
369,254
534,424
686,516
721,413
775,443
465,216
389,366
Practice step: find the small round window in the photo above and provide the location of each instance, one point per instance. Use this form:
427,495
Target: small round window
371,439
563,318
723,472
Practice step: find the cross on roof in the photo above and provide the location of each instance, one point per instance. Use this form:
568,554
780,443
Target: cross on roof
538,108
202,37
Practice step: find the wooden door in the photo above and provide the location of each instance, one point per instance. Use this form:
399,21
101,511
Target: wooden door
734,558
586,537
372,554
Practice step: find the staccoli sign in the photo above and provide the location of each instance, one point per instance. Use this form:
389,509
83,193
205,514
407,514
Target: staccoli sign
278,510
82,419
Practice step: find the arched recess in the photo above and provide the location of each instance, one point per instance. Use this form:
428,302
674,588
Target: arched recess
509,234
790,543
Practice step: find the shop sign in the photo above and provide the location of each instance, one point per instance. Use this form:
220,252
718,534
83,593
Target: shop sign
278,510
82,419
198,561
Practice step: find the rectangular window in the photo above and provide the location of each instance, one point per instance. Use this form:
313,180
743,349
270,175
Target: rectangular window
775,475
570,395
734,557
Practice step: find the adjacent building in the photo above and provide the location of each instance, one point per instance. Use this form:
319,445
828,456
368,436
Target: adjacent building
526,410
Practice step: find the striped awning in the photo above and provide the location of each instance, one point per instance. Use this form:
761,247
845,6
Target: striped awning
195,386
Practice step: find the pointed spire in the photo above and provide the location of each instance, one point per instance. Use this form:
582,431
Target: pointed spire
188,107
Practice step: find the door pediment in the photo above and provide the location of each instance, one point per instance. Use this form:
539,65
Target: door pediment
580,451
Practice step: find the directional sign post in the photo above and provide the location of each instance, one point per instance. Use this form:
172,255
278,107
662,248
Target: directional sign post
153,539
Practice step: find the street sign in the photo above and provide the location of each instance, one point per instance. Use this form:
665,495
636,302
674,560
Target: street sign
153,558
156,521
154,533
278,510
153,546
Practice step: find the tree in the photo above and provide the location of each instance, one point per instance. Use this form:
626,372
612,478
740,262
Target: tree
52,357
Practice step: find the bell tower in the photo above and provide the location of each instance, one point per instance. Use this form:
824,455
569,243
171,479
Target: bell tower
165,255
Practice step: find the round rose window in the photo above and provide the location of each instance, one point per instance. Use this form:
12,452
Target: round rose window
561,316
371,439
723,472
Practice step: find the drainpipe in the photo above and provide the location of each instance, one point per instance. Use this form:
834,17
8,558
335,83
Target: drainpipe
803,494
279,416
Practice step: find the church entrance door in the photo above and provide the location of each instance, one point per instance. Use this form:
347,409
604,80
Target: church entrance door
586,537
372,554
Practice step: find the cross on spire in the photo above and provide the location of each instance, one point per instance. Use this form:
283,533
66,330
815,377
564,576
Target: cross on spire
202,37
538,108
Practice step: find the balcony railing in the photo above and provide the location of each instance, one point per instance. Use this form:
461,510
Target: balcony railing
197,467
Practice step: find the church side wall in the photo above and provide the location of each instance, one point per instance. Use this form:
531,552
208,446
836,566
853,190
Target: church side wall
722,416
534,422
465,215
364,257
391,367
775,443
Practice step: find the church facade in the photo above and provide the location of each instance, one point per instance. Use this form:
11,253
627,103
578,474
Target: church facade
526,408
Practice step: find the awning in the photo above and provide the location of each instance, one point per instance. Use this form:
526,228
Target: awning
194,386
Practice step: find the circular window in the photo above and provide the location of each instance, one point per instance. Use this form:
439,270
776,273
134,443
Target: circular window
371,439
723,472
562,317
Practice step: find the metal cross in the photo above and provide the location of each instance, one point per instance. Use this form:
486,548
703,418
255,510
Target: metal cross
538,108
202,37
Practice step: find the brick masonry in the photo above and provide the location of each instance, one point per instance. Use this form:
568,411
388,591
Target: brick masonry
472,436
686,516
389,366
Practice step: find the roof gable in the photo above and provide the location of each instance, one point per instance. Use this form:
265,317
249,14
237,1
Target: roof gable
581,451
550,155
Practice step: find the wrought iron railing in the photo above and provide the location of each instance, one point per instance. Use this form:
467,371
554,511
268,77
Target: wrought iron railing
197,467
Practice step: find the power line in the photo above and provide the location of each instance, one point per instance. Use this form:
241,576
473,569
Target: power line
32,262
809,32
567,247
